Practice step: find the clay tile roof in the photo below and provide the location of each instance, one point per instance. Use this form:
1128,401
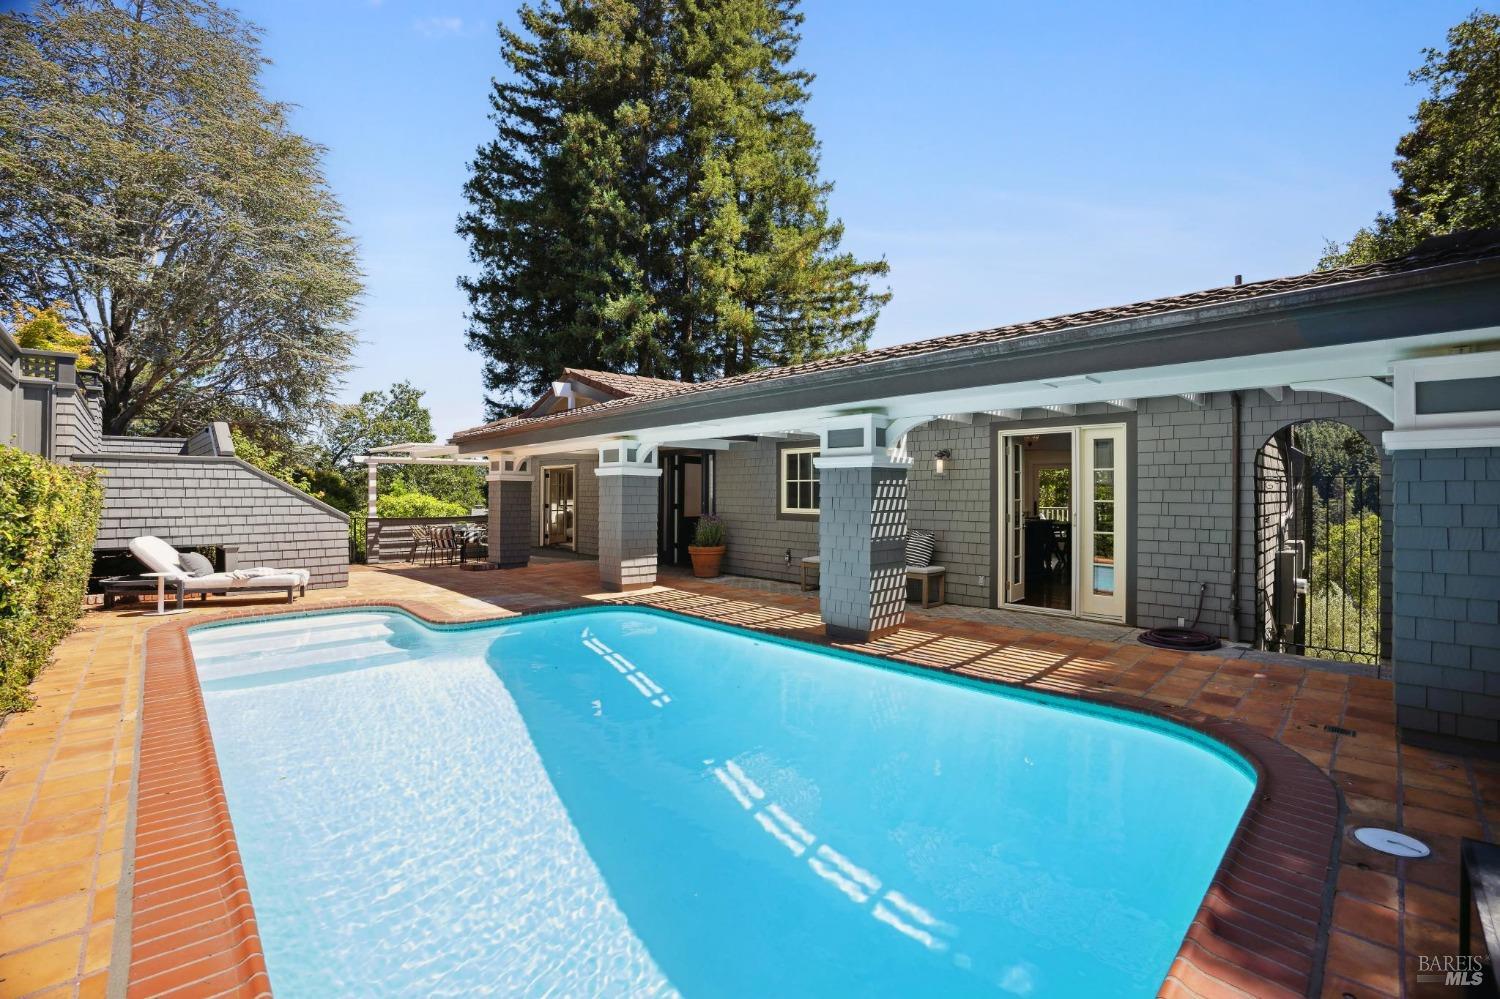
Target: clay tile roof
626,385
1457,248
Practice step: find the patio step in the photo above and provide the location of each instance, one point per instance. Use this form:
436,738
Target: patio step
281,672
283,639
278,666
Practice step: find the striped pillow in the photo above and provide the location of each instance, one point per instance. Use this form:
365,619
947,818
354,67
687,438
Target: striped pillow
920,546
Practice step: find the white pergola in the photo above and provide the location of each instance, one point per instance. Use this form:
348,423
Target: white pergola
411,453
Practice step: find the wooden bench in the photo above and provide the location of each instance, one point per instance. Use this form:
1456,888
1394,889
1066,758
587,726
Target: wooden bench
924,574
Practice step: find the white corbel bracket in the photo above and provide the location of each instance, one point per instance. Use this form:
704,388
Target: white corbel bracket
1367,391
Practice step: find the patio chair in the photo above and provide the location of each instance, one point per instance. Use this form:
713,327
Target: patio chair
166,561
421,542
444,544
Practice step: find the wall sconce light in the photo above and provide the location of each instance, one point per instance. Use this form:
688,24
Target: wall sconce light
940,462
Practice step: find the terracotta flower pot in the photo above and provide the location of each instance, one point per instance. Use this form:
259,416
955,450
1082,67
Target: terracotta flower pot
706,560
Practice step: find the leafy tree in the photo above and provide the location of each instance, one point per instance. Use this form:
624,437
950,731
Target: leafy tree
147,183
46,329
379,419
1349,560
270,458
1448,165
651,201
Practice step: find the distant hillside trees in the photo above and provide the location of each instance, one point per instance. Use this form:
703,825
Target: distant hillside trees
651,201
149,185
1448,165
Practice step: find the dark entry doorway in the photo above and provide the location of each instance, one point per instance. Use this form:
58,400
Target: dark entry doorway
686,494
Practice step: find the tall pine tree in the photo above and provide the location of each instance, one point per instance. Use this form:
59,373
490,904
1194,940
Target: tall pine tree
651,201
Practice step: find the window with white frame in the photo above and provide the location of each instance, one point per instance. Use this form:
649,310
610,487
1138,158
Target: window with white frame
799,481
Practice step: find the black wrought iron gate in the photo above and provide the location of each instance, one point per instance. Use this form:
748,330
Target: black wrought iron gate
1318,546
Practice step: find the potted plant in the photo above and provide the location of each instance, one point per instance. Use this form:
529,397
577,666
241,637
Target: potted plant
707,549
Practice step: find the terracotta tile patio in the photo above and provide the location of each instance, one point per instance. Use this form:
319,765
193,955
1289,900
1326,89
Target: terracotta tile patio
69,765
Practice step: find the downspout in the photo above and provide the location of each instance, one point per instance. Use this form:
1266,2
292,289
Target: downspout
1234,518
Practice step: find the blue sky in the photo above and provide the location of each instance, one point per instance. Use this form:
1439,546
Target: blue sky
1010,160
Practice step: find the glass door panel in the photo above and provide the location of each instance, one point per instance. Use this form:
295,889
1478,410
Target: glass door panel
1101,520
1015,520
557,505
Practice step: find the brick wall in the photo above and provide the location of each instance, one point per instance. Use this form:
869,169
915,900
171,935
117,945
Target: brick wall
191,501
1447,592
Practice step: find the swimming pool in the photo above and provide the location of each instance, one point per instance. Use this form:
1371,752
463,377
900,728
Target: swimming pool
620,801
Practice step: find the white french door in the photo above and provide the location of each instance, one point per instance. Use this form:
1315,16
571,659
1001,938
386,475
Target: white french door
1100,522
558,506
1084,537
1014,491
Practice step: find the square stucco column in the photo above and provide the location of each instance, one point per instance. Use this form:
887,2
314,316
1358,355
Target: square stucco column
861,548
510,519
627,525
1446,592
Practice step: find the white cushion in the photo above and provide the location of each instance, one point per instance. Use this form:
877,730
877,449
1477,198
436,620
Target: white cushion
237,581
925,570
157,555
812,560
162,557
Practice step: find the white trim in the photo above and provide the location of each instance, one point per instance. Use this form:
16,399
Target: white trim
862,461
781,480
1407,440
1123,552
370,459
1484,364
625,471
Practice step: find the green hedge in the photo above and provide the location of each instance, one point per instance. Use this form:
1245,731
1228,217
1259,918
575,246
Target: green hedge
49,515
398,505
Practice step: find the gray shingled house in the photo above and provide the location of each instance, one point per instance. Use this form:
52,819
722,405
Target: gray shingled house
191,492
1146,465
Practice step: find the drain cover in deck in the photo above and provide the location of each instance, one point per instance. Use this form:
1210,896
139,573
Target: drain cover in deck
1394,843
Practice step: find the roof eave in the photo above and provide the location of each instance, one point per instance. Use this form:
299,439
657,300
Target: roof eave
1267,324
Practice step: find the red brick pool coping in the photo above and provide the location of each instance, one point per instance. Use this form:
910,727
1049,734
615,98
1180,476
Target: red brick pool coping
1260,930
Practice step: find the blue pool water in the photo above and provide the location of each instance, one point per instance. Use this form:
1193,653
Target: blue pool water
621,802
